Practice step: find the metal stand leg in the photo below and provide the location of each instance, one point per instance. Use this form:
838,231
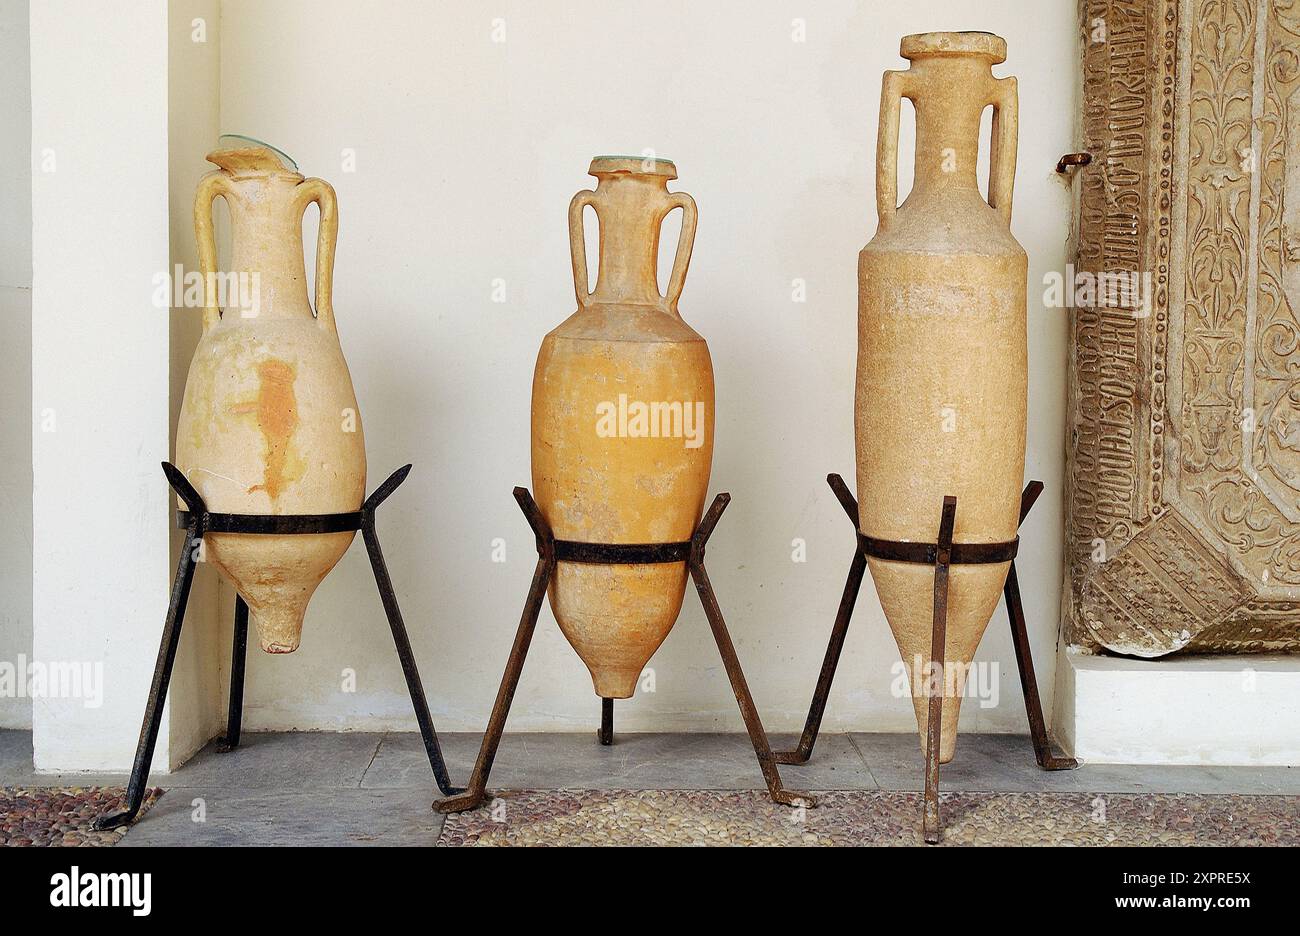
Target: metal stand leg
937,682
398,627
477,792
238,659
606,722
753,724
201,522
474,796
848,600
162,673
1024,660
1016,614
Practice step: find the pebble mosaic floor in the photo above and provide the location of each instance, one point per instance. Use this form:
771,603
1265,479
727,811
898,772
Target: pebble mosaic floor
708,817
61,815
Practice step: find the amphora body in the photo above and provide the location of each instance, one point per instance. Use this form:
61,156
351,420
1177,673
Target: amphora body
622,423
941,375
269,422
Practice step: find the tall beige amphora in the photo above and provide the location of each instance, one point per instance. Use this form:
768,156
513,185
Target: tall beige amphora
941,378
622,434
269,422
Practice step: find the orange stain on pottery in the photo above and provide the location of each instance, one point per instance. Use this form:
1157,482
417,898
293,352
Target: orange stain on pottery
277,417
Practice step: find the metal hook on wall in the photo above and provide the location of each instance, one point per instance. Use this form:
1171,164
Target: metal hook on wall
1069,160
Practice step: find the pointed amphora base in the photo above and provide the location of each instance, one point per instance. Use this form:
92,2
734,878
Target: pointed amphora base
276,576
616,616
278,626
906,593
615,683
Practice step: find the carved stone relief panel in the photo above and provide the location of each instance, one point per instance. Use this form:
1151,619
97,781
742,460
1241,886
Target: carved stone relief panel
1183,507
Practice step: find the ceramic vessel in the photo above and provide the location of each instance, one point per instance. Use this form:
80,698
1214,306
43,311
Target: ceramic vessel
941,375
269,422
622,423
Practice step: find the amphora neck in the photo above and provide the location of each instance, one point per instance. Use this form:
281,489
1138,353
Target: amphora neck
266,202
631,201
950,83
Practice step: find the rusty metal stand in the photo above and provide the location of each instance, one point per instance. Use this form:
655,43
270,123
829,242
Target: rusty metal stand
606,734
942,554
238,658
198,521
549,552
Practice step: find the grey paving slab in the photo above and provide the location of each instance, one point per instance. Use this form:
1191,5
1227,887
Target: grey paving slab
998,763
15,753
983,763
334,817
1135,778
264,760
635,761
281,760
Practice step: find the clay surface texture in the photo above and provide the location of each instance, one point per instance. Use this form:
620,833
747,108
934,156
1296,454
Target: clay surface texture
622,423
941,374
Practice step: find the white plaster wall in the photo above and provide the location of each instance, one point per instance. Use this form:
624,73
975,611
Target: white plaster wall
466,154
101,565
15,356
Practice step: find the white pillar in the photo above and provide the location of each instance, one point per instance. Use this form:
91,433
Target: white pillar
100,366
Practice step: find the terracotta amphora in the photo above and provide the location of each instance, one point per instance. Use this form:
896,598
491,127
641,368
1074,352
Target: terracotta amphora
622,423
941,377
269,422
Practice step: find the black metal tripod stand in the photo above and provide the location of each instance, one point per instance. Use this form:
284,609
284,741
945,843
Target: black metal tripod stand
549,552
198,521
942,555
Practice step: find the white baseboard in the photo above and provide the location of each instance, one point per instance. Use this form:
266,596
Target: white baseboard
1223,710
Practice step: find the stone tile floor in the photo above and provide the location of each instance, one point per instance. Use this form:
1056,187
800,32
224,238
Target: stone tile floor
361,789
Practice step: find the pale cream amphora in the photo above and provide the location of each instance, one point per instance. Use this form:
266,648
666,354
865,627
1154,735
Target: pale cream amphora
269,422
622,423
941,375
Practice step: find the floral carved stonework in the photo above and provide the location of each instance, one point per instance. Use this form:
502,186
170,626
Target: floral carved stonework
1183,507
